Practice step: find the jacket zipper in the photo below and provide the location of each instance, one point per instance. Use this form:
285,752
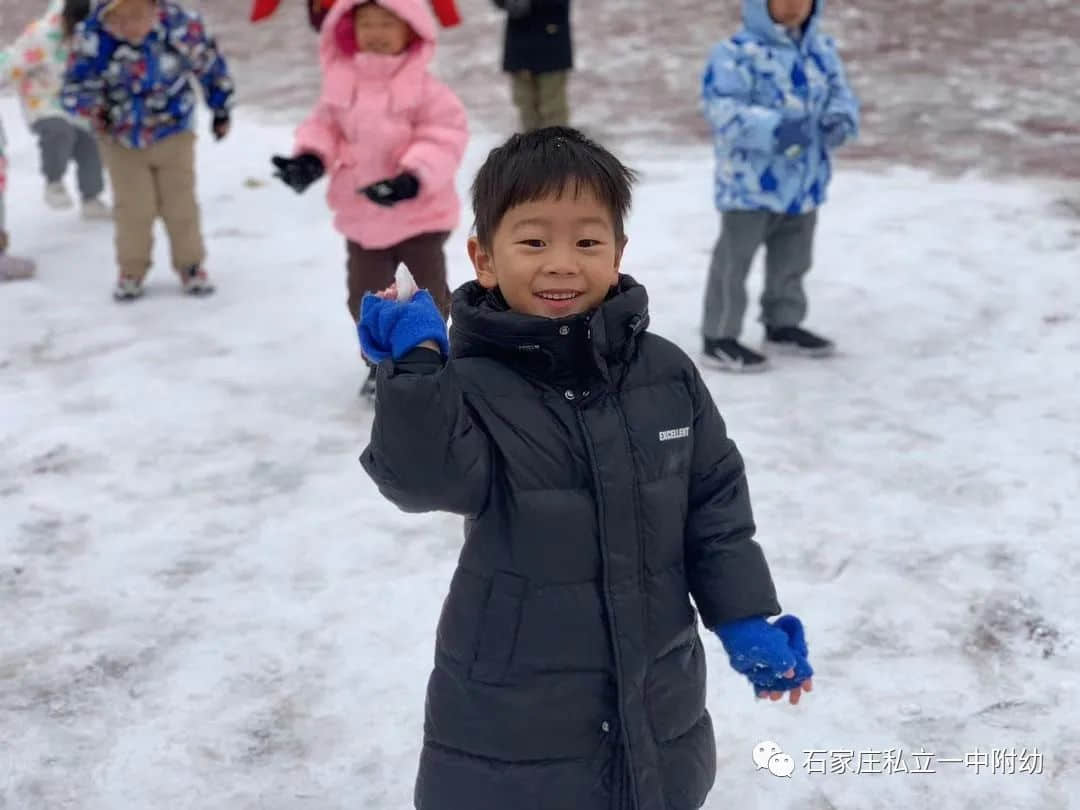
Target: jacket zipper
619,685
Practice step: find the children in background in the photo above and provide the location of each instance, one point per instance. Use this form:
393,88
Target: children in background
36,63
392,137
11,267
778,103
130,77
538,55
601,493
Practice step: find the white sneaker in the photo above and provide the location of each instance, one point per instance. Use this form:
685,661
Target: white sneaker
127,289
56,196
14,268
196,281
95,209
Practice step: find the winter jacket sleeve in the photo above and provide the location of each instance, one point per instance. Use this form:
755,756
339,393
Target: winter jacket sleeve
83,93
206,62
426,453
439,137
726,568
320,134
736,122
842,101
27,53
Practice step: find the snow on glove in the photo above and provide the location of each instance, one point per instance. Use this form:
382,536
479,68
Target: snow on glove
392,191
299,172
792,136
836,127
764,651
391,328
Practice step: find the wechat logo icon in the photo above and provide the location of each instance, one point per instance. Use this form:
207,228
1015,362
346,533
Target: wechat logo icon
768,755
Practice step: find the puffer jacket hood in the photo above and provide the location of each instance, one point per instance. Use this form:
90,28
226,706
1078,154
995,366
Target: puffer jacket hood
414,12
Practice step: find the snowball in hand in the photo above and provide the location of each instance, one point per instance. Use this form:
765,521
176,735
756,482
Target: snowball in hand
406,284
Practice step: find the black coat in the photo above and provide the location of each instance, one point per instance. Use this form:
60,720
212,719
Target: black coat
540,41
600,491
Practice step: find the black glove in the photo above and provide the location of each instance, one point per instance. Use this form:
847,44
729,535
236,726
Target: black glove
390,192
299,172
220,125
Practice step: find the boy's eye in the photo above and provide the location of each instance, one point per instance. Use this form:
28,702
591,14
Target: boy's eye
533,243
588,243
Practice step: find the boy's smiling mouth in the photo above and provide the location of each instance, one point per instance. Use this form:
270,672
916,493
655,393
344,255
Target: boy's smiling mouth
559,295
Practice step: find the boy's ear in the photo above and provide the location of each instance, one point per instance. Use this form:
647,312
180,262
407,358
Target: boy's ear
483,263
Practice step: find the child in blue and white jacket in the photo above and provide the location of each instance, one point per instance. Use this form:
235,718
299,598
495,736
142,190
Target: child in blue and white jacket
778,103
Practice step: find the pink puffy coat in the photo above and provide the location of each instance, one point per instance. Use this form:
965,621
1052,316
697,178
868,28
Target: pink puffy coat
379,116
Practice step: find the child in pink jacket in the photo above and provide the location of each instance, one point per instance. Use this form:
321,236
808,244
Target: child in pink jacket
391,137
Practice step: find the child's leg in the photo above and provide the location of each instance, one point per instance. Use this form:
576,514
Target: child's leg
788,254
424,257
135,209
741,233
526,93
367,271
56,140
174,180
88,159
553,107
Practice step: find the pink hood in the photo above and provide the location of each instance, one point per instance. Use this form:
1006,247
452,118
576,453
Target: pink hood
341,69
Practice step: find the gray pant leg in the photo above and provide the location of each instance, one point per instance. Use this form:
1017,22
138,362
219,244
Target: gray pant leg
88,159
741,233
56,139
789,247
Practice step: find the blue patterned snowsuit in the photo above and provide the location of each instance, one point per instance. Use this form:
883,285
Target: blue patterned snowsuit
142,94
752,82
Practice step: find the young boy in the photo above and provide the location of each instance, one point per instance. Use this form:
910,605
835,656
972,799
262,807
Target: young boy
130,74
778,103
600,493
538,55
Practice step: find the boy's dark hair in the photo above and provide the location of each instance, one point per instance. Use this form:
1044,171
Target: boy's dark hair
544,163
75,11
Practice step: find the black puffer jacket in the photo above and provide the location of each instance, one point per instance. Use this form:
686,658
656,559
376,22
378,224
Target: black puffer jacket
539,41
600,491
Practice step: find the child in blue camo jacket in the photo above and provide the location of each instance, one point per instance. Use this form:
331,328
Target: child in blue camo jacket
778,103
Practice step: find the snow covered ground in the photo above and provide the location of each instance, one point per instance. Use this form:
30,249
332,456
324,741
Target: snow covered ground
205,604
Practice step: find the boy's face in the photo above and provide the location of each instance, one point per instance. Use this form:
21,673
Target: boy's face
552,258
791,13
132,20
380,31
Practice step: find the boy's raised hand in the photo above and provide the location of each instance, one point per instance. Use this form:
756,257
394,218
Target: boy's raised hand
390,327
773,656
298,172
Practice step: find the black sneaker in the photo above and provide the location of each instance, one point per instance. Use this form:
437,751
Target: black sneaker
795,340
731,355
367,390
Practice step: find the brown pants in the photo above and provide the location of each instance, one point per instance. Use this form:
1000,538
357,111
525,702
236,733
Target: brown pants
373,270
158,181
541,99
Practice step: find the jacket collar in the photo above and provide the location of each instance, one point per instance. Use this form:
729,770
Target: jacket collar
556,350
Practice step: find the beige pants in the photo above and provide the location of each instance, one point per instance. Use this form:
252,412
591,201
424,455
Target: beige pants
158,181
541,99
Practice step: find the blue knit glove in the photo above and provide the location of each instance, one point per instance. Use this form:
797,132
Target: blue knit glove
792,136
764,652
390,328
